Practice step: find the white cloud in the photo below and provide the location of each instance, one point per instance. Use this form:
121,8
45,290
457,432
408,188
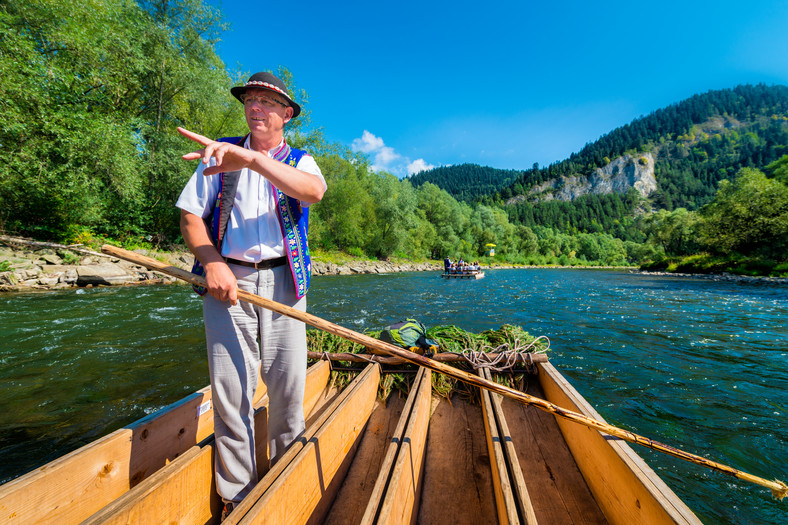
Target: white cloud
419,165
367,143
384,158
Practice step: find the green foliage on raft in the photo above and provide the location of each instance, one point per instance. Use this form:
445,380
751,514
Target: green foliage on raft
450,338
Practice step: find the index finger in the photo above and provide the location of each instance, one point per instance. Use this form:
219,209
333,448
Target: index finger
196,137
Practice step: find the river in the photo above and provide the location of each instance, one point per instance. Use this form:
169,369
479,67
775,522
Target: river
695,363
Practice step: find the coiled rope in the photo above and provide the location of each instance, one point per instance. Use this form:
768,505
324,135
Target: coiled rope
504,356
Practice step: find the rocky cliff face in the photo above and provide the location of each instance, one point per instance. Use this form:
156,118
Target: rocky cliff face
618,176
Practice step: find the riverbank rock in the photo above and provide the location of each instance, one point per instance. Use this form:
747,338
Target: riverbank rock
367,267
724,276
103,274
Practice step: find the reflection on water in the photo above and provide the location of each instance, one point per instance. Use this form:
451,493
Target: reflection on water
694,363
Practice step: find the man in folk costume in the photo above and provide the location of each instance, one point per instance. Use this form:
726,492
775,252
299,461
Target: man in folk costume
244,215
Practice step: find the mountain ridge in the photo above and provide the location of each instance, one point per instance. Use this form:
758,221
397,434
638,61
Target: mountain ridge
695,143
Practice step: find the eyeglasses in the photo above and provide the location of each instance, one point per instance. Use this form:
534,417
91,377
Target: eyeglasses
263,100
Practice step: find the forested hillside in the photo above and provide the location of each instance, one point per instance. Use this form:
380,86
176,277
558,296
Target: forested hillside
466,182
717,132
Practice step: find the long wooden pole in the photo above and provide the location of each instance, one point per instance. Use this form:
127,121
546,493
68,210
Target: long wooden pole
779,489
446,357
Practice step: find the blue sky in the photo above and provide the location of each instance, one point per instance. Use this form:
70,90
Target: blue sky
502,84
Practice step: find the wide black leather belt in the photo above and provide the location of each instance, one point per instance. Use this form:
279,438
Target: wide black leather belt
262,265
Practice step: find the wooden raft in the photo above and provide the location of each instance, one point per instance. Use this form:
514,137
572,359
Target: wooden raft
424,459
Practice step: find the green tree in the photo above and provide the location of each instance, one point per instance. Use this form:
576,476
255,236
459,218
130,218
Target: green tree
676,232
395,206
347,208
529,243
67,157
779,169
749,215
444,213
589,248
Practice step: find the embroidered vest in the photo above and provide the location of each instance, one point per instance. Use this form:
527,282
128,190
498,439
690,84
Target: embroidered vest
293,220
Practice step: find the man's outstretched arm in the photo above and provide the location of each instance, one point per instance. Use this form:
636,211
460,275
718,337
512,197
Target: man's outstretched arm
229,157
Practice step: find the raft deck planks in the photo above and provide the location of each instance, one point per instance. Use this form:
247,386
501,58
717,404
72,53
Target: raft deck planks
457,485
559,492
511,491
526,466
359,484
403,492
396,425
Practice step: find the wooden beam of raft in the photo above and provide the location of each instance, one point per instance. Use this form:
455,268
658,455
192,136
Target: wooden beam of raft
779,489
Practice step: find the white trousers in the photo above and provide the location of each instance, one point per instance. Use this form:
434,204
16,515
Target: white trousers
241,340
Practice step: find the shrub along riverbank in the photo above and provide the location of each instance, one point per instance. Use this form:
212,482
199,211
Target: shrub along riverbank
705,263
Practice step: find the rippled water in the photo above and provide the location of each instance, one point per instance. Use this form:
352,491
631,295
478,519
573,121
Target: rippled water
694,363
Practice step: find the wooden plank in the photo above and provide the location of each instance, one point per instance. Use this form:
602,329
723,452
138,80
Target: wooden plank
521,495
375,500
184,491
547,463
504,494
261,391
457,486
317,420
404,488
308,484
359,484
74,486
626,489
320,373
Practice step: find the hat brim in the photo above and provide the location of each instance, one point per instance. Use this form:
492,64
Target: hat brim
237,91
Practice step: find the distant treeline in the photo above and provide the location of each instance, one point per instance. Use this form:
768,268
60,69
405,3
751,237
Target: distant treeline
467,182
612,213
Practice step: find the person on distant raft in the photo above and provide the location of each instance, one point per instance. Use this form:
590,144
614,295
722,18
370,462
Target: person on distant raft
446,265
253,240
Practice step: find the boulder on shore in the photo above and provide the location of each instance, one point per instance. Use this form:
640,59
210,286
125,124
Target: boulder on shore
103,274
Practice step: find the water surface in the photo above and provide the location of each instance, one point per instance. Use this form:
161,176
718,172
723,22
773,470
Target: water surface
698,364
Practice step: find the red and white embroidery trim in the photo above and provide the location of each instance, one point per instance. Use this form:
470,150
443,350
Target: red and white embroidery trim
267,85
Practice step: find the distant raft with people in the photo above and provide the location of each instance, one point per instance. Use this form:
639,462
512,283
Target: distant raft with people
462,270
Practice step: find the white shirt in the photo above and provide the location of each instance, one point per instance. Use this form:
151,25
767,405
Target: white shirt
253,231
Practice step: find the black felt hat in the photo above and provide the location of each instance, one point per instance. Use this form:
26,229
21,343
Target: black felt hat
270,82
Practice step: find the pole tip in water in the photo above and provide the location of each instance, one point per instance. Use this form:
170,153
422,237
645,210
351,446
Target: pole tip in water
781,492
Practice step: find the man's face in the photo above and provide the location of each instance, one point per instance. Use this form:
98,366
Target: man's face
266,112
